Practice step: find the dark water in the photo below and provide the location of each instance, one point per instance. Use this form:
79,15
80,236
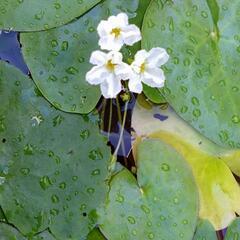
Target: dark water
10,50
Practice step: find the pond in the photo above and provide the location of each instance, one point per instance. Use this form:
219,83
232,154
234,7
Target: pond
104,137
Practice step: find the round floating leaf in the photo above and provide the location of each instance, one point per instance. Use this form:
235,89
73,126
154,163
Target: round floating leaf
59,59
203,71
205,231
219,191
233,231
162,204
8,232
54,164
32,15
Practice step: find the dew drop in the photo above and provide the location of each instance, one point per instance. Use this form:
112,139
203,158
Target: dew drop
145,209
131,220
45,182
62,185
25,171
95,172
184,109
54,43
196,113
55,199
151,236
165,167
54,212
195,101
64,46
28,149
204,14
119,198
235,119
84,134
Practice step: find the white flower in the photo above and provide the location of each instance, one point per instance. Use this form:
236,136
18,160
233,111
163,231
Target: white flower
116,31
146,69
108,72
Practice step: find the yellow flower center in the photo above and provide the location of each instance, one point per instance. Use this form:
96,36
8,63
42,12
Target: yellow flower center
116,32
110,66
143,67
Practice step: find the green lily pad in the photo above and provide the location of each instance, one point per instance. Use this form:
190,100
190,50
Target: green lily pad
54,164
203,71
32,15
8,232
59,59
205,231
161,204
218,189
233,232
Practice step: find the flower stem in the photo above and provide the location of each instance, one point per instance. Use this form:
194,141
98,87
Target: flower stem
110,119
114,157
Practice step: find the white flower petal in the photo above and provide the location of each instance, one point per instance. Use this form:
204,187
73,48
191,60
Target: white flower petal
157,57
104,28
131,34
123,71
154,77
104,89
140,57
98,58
122,19
111,87
96,75
115,57
135,84
111,43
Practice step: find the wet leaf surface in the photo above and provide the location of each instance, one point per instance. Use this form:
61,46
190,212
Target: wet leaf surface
32,15
202,38
53,165
218,189
148,208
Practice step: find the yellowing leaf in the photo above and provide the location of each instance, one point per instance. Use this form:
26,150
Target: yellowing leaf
219,192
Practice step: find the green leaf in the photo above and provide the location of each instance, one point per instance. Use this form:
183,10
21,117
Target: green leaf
205,231
32,15
7,232
161,204
153,94
95,234
233,232
219,191
203,71
54,164
59,59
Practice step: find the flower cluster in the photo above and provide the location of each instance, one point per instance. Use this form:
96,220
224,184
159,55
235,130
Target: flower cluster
110,70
